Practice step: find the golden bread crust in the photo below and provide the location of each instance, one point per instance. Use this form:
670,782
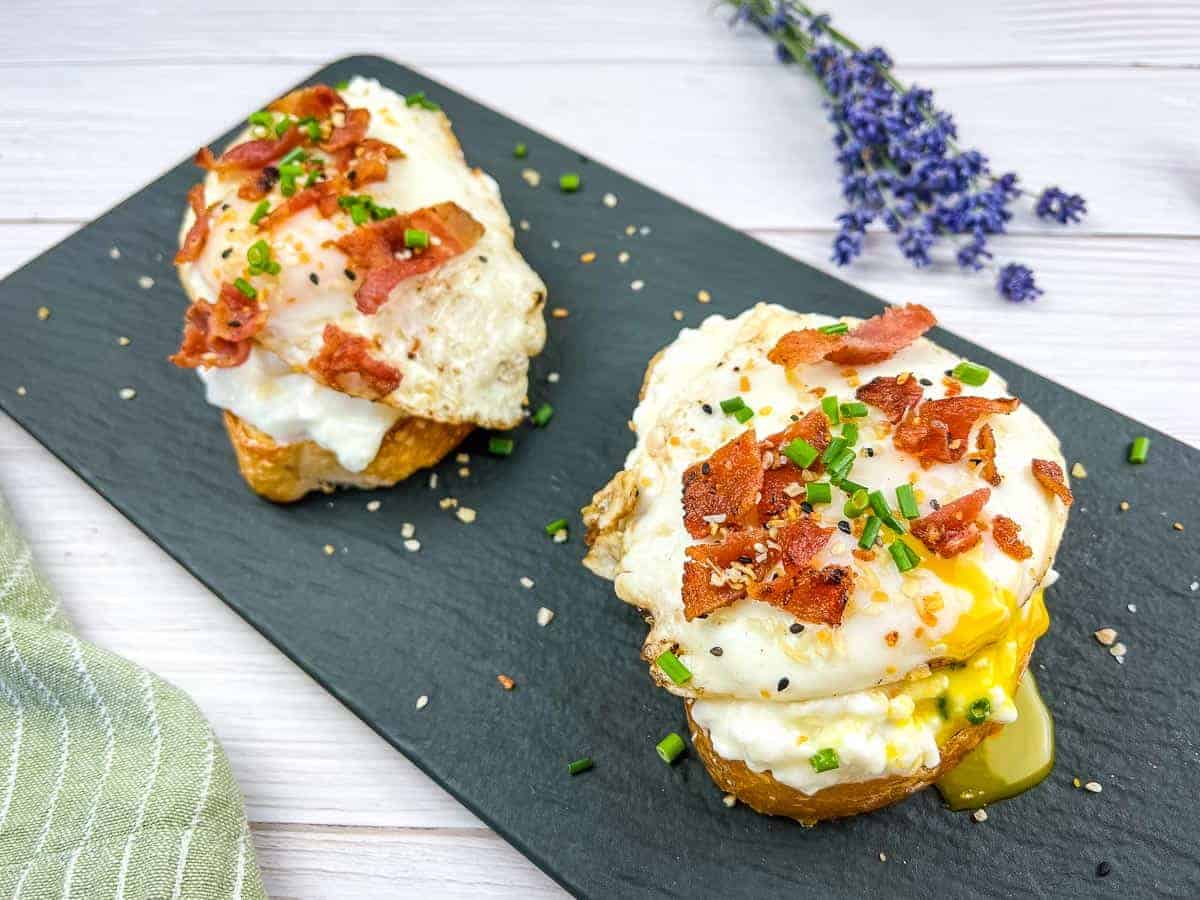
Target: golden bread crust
286,472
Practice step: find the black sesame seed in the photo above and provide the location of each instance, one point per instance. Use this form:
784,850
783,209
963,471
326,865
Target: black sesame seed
745,560
707,407
796,628
224,207
844,526
1103,870
949,373
349,274
706,468
795,418
483,259
716,651
806,507
226,253
935,505
783,683
926,382
312,276
870,451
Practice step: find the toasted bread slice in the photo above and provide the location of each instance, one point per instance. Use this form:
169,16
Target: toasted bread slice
286,472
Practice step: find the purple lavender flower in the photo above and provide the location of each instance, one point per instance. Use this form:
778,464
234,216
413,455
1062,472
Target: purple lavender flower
899,156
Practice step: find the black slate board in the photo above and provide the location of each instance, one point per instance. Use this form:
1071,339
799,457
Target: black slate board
378,626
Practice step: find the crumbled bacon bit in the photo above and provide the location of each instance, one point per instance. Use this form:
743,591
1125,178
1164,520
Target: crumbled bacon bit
727,483
1050,476
197,236
814,428
350,132
937,430
1006,533
251,154
317,102
874,340
345,362
808,345
892,395
258,184
372,249
951,529
810,595
985,445
220,334
801,541
707,587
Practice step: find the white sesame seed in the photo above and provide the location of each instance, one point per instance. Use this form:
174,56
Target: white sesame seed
1195,586
524,224
1078,471
462,458
677,315
553,379
980,815
464,472
422,702
412,545
407,530
124,341
126,393
21,392
373,506
729,800
555,244
43,313
465,514
532,177
544,616
623,257
561,536
329,550
637,285
644,230
447,503
1093,787
145,282
1132,607
526,582
703,296
1118,650
433,480
610,200
114,253
1106,636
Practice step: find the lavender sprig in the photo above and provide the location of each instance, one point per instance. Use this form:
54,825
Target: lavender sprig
899,154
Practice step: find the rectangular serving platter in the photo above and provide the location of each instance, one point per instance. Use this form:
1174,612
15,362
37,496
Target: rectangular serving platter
377,626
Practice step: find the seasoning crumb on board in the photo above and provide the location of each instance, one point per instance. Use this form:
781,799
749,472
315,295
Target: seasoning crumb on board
329,550
145,282
422,701
545,616
412,545
465,514
126,393
43,313
373,505
505,682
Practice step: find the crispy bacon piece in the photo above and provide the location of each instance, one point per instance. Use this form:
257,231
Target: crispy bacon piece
350,132
1006,534
890,394
258,184
985,453
220,334
1050,476
726,484
811,595
197,236
800,541
951,529
881,337
317,102
808,345
814,428
366,162
873,340
251,154
373,247
938,430
345,362
707,563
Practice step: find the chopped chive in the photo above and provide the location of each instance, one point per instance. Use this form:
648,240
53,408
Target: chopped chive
676,671
836,446
733,404
670,747
580,765
850,487
282,126
835,328
258,254
902,556
841,464
979,711
825,760
870,532
312,127
287,185
543,415
293,168
830,406
908,501
359,214
520,151
556,526
245,287
418,98
880,505
341,85
850,434
498,446
263,118
970,373
259,212
801,452
295,155
744,415
273,268
569,182
415,237
855,409
818,492
1139,449
858,504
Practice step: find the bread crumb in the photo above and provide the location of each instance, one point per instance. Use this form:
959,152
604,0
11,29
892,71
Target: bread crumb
678,315
447,503
560,312
703,296
1106,636
637,285
505,682
545,616
980,815
526,582
126,393
1124,507
623,257
412,545
145,282
729,800
123,341
610,200
1078,471
422,702
465,514
589,256
328,548
532,177
407,530
1093,787
43,313
462,458
373,505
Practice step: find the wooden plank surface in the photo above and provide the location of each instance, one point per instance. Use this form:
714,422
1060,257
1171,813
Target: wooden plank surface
101,96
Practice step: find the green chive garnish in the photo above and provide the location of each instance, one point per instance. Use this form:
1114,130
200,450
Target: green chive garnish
908,501
903,556
569,183
312,127
835,328
825,760
732,405
543,415
801,452
295,155
870,533
850,434
818,492
263,118
259,212
858,504
282,126
293,169
970,373
520,151
498,446
855,409
841,464
880,505
415,237
359,214
830,406
836,446
341,85
258,255
245,287
419,99
580,765
850,487
743,415
556,526
676,671
670,747
979,711
1139,449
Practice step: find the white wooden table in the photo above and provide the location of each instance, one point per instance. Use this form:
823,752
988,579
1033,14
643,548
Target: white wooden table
100,96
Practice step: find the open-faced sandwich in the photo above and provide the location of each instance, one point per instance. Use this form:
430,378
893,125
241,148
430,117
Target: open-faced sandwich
357,301
839,533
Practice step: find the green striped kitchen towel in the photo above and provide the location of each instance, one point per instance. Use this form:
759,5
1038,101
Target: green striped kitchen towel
111,782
